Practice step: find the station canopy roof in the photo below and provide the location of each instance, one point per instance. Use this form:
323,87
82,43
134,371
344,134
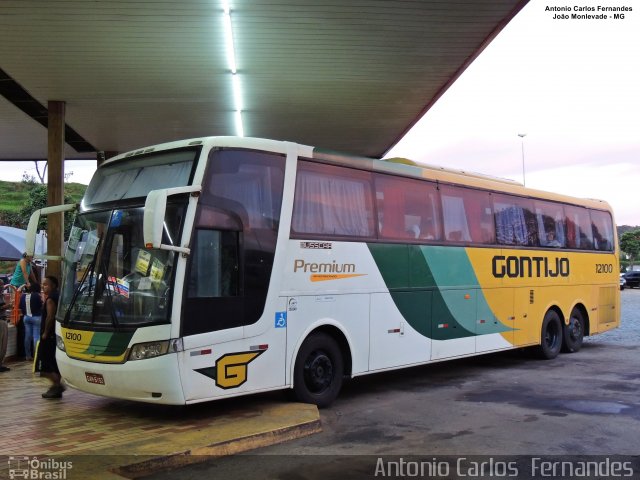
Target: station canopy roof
349,75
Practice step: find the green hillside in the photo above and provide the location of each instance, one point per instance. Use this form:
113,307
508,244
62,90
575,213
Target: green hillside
19,199
14,195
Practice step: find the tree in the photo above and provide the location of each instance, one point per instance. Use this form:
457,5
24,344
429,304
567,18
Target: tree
630,244
29,178
44,172
36,200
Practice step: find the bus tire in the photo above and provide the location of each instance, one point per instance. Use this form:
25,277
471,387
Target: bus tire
551,336
318,371
573,333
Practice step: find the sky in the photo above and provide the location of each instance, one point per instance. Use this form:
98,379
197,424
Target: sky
77,171
571,86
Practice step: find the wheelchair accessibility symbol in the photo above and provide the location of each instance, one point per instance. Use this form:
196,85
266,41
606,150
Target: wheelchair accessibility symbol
281,320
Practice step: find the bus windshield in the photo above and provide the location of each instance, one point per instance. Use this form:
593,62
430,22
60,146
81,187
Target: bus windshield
109,278
135,177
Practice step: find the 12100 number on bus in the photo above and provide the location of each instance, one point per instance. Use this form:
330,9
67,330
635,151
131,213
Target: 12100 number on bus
604,268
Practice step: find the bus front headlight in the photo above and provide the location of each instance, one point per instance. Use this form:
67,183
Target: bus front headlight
60,343
140,351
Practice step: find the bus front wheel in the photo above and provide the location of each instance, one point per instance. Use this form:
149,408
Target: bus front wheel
573,333
551,336
317,376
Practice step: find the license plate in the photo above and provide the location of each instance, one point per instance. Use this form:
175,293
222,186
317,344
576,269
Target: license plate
94,378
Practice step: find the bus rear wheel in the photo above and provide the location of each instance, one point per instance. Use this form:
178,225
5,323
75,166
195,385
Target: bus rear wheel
573,333
317,375
551,336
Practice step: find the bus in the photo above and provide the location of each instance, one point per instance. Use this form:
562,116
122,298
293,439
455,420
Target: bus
222,266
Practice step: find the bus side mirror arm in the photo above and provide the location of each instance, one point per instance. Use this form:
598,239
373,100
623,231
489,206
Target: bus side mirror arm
155,208
32,229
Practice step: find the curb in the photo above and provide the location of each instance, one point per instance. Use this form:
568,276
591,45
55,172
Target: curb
220,449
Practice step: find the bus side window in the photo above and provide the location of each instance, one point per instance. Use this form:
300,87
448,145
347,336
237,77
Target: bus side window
515,221
215,264
468,215
332,201
550,224
456,228
407,209
579,233
602,227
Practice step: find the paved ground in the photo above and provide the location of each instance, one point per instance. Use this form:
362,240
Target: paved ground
502,404
629,331
585,403
100,436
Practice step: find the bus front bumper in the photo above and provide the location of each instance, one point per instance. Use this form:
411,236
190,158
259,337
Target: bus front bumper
153,380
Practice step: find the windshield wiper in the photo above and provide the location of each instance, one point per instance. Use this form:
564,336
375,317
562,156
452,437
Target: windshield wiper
105,283
89,271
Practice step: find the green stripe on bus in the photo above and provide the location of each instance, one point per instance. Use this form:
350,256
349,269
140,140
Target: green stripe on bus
452,268
111,344
428,285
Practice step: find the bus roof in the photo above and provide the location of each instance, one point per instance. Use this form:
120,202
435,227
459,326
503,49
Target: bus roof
397,166
409,168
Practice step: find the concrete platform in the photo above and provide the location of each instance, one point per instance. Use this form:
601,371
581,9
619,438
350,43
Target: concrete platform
114,439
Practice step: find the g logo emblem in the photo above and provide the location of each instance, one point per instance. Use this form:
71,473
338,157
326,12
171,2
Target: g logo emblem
231,370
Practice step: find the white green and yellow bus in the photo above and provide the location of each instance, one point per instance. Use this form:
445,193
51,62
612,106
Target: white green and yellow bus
216,267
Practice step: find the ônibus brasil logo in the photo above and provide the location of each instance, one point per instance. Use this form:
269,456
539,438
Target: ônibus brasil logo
36,468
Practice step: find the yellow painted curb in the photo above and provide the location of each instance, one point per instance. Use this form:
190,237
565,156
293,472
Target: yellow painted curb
109,439
273,424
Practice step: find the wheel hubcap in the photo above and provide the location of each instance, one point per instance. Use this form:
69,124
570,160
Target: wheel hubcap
551,336
575,329
318,371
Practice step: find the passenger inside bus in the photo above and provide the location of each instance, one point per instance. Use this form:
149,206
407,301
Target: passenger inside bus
551,240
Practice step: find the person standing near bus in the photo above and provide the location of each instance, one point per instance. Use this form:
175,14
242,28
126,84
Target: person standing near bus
31,308
46,363
23,274
4,329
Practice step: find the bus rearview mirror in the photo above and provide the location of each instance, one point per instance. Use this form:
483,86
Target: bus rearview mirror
32,228
155,208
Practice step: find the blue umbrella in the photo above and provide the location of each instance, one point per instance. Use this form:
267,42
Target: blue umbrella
12,243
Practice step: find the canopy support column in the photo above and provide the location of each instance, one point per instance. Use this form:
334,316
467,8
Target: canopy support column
55,187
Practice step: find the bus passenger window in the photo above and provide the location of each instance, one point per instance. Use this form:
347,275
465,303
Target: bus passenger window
456,228
407,209
332,201
602,227
550,224
579,233
468,215
515,221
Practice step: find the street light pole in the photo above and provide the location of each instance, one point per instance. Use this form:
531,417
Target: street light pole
522,135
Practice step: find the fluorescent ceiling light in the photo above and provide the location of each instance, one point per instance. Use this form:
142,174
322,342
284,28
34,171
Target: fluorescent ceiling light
239,127
231,54
231,58
237,92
